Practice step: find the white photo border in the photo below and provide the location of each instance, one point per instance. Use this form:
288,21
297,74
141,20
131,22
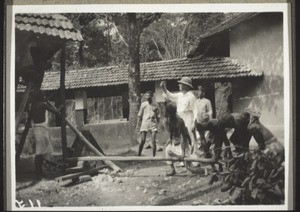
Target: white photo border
168,8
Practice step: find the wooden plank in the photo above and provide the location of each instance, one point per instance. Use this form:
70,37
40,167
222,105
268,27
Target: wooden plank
76,175
63,100
75,169
83,139
137,158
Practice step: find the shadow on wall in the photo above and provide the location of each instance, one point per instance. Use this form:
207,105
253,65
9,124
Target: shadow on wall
264,94
270,89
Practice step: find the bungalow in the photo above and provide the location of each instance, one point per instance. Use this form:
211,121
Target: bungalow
102,93
256,40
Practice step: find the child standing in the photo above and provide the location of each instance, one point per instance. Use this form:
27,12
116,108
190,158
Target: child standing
148,120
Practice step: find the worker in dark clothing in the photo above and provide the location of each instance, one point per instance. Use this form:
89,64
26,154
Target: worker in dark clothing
241,136
246,125
217,136
265,139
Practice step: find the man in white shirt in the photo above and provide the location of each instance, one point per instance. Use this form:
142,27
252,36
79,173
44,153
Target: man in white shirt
185,102
202,111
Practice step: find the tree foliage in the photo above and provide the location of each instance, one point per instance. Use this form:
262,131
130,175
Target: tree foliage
170,36
174,34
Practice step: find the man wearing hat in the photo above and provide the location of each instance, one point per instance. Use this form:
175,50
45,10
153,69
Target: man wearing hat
148,119
264,137
185,102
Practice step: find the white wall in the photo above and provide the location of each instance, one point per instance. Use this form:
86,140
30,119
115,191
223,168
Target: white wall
259,45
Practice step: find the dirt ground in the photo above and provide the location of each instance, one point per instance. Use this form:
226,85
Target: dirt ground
140,184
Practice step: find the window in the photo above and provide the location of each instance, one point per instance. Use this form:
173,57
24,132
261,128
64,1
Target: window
104,108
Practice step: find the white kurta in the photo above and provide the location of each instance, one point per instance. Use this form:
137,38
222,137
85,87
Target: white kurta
203,106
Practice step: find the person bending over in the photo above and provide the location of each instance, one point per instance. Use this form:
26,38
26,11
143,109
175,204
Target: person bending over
241,136
178,144
265,139
216,135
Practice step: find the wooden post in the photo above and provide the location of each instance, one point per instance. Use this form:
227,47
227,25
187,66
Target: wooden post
63,100
23,104
23,137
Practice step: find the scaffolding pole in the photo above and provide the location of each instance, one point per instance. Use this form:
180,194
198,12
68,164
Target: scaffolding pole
138,158
63,100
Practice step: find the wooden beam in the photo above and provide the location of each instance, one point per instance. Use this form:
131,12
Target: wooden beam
63,100
82,138
23,137
23,104
137,158
75,169
76,175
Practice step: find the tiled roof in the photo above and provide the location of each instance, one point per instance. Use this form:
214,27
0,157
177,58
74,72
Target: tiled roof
196,68
223,26
48,24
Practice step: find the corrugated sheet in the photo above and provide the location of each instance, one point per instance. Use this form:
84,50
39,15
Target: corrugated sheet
49,24
196,68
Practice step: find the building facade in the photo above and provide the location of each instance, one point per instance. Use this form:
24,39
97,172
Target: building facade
239,61
98,98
